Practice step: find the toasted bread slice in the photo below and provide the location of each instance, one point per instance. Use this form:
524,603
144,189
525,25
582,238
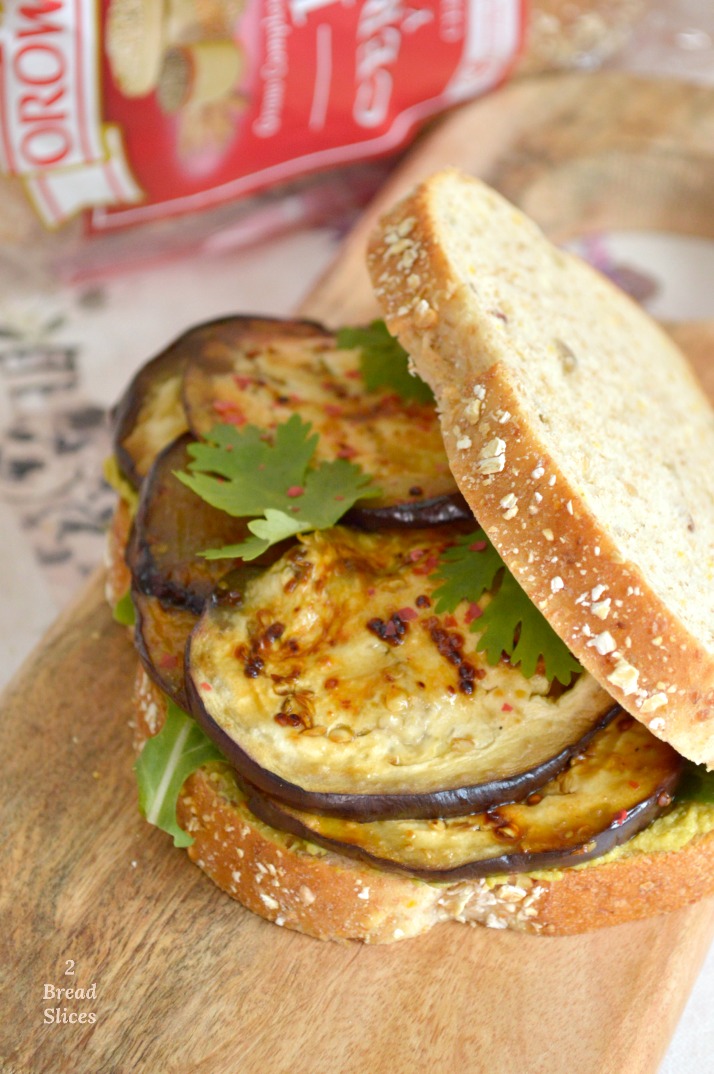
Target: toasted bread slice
577,433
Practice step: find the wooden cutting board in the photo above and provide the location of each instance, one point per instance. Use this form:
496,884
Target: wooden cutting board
186,980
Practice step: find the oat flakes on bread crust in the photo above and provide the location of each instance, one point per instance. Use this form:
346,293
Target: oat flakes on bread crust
577,433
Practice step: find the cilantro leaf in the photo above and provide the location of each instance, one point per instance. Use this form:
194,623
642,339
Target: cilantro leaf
696,785
165,762
384,363
510,622
467,570
240,472
275,527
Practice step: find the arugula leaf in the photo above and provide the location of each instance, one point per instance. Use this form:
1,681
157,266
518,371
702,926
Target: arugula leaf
384,363
240,472
510,622
696,785
123,611
165,762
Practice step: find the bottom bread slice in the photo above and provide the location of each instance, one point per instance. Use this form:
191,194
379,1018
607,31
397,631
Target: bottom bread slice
326,895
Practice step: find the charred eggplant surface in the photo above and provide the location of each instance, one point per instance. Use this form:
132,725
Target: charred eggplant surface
331,683
150,414
172,527
618,784
160,636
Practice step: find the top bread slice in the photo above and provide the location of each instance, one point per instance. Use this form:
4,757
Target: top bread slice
578,434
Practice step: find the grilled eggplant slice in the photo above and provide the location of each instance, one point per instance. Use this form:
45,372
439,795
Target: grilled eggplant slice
333,685
150,414
172,526
160,636
618,784
262,372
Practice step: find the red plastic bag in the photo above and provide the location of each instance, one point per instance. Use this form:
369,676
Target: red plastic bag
154,108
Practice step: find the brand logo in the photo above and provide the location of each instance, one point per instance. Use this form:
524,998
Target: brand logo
50,110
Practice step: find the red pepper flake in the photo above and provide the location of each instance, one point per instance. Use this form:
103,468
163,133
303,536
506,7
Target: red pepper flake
633,783
169,660
620,818
472,612
505,707
478,546
416,554
407,614
339,497
450,621
354,374
333,410
206,686
242,382
229,411
371,591
346,452
429,564
295,490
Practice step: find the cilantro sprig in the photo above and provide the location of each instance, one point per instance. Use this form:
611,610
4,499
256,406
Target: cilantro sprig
274,482
164,765
383,362
510,623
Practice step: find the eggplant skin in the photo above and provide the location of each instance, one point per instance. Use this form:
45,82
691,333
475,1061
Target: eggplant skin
135,441
138,436
172,527
623,780
450,802
160,636
411,514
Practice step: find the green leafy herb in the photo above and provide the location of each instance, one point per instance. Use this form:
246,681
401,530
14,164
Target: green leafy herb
124,612
116,479
241,472
510,623
696,785
384,363
165,762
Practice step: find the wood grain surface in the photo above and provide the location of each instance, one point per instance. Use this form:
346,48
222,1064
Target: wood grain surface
187,981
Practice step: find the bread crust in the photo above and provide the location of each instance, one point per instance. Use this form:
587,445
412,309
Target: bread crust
559,551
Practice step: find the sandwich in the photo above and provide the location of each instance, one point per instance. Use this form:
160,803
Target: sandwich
423,612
